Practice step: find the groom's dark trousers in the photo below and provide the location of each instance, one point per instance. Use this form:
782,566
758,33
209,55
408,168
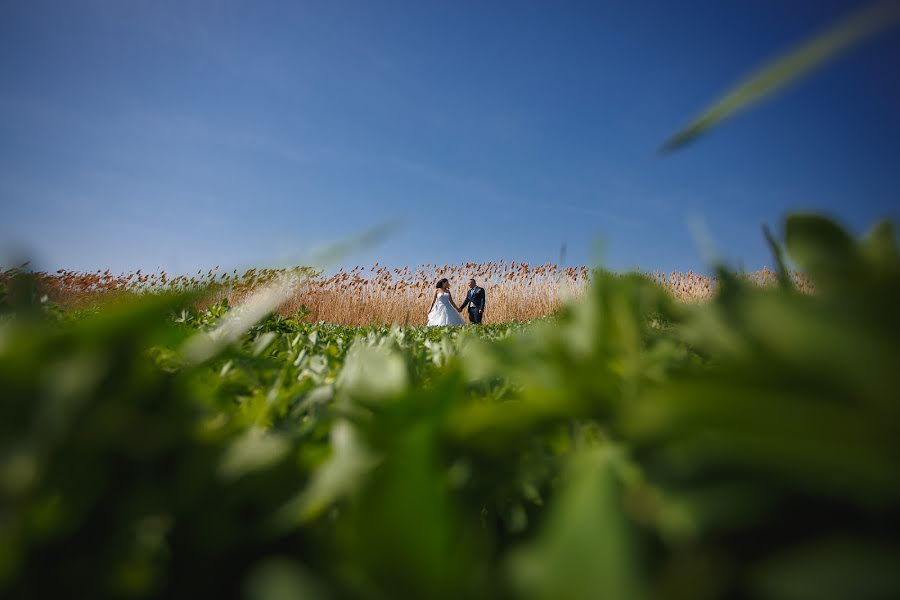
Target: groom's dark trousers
474,315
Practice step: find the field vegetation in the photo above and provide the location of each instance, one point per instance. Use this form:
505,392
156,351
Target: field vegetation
628,446
650,436
376,295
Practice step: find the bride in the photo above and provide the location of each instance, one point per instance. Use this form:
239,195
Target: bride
444,310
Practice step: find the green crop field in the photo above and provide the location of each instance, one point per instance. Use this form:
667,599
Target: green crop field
629,446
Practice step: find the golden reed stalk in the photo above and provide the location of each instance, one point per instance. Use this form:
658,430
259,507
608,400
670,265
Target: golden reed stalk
378,295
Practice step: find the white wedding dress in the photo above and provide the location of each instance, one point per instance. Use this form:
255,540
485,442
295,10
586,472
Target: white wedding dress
443,313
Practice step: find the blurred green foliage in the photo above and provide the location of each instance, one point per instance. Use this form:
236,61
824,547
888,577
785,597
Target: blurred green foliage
874,17
629,447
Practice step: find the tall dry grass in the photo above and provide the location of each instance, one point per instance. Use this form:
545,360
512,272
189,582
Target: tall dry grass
694,287
378,294
515,292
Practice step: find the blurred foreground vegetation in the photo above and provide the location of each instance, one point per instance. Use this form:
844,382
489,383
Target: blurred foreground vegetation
629,447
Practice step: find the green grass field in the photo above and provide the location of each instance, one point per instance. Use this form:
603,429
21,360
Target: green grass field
628,447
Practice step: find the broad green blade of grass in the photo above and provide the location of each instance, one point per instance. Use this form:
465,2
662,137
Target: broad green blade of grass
585,549
784,276
786,69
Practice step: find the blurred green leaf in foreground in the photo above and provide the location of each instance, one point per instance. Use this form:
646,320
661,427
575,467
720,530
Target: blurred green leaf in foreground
629,447
786,69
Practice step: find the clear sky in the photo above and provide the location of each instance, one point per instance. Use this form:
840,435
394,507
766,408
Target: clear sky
183,134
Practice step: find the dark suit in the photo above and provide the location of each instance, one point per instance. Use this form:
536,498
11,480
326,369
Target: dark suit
475,300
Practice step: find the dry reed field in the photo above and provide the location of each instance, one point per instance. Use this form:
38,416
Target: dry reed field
376,295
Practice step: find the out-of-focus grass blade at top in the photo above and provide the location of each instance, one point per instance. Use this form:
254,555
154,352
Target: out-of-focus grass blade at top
785,70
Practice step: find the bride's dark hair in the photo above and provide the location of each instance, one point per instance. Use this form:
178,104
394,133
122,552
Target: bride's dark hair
441,282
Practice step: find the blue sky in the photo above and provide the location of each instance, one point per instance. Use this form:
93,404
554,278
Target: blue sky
184,135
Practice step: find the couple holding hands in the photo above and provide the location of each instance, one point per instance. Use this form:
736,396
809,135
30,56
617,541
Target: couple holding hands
444,310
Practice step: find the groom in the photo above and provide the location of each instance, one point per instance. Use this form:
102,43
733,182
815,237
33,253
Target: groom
475,299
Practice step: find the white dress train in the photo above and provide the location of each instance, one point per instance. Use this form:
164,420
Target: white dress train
443,313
